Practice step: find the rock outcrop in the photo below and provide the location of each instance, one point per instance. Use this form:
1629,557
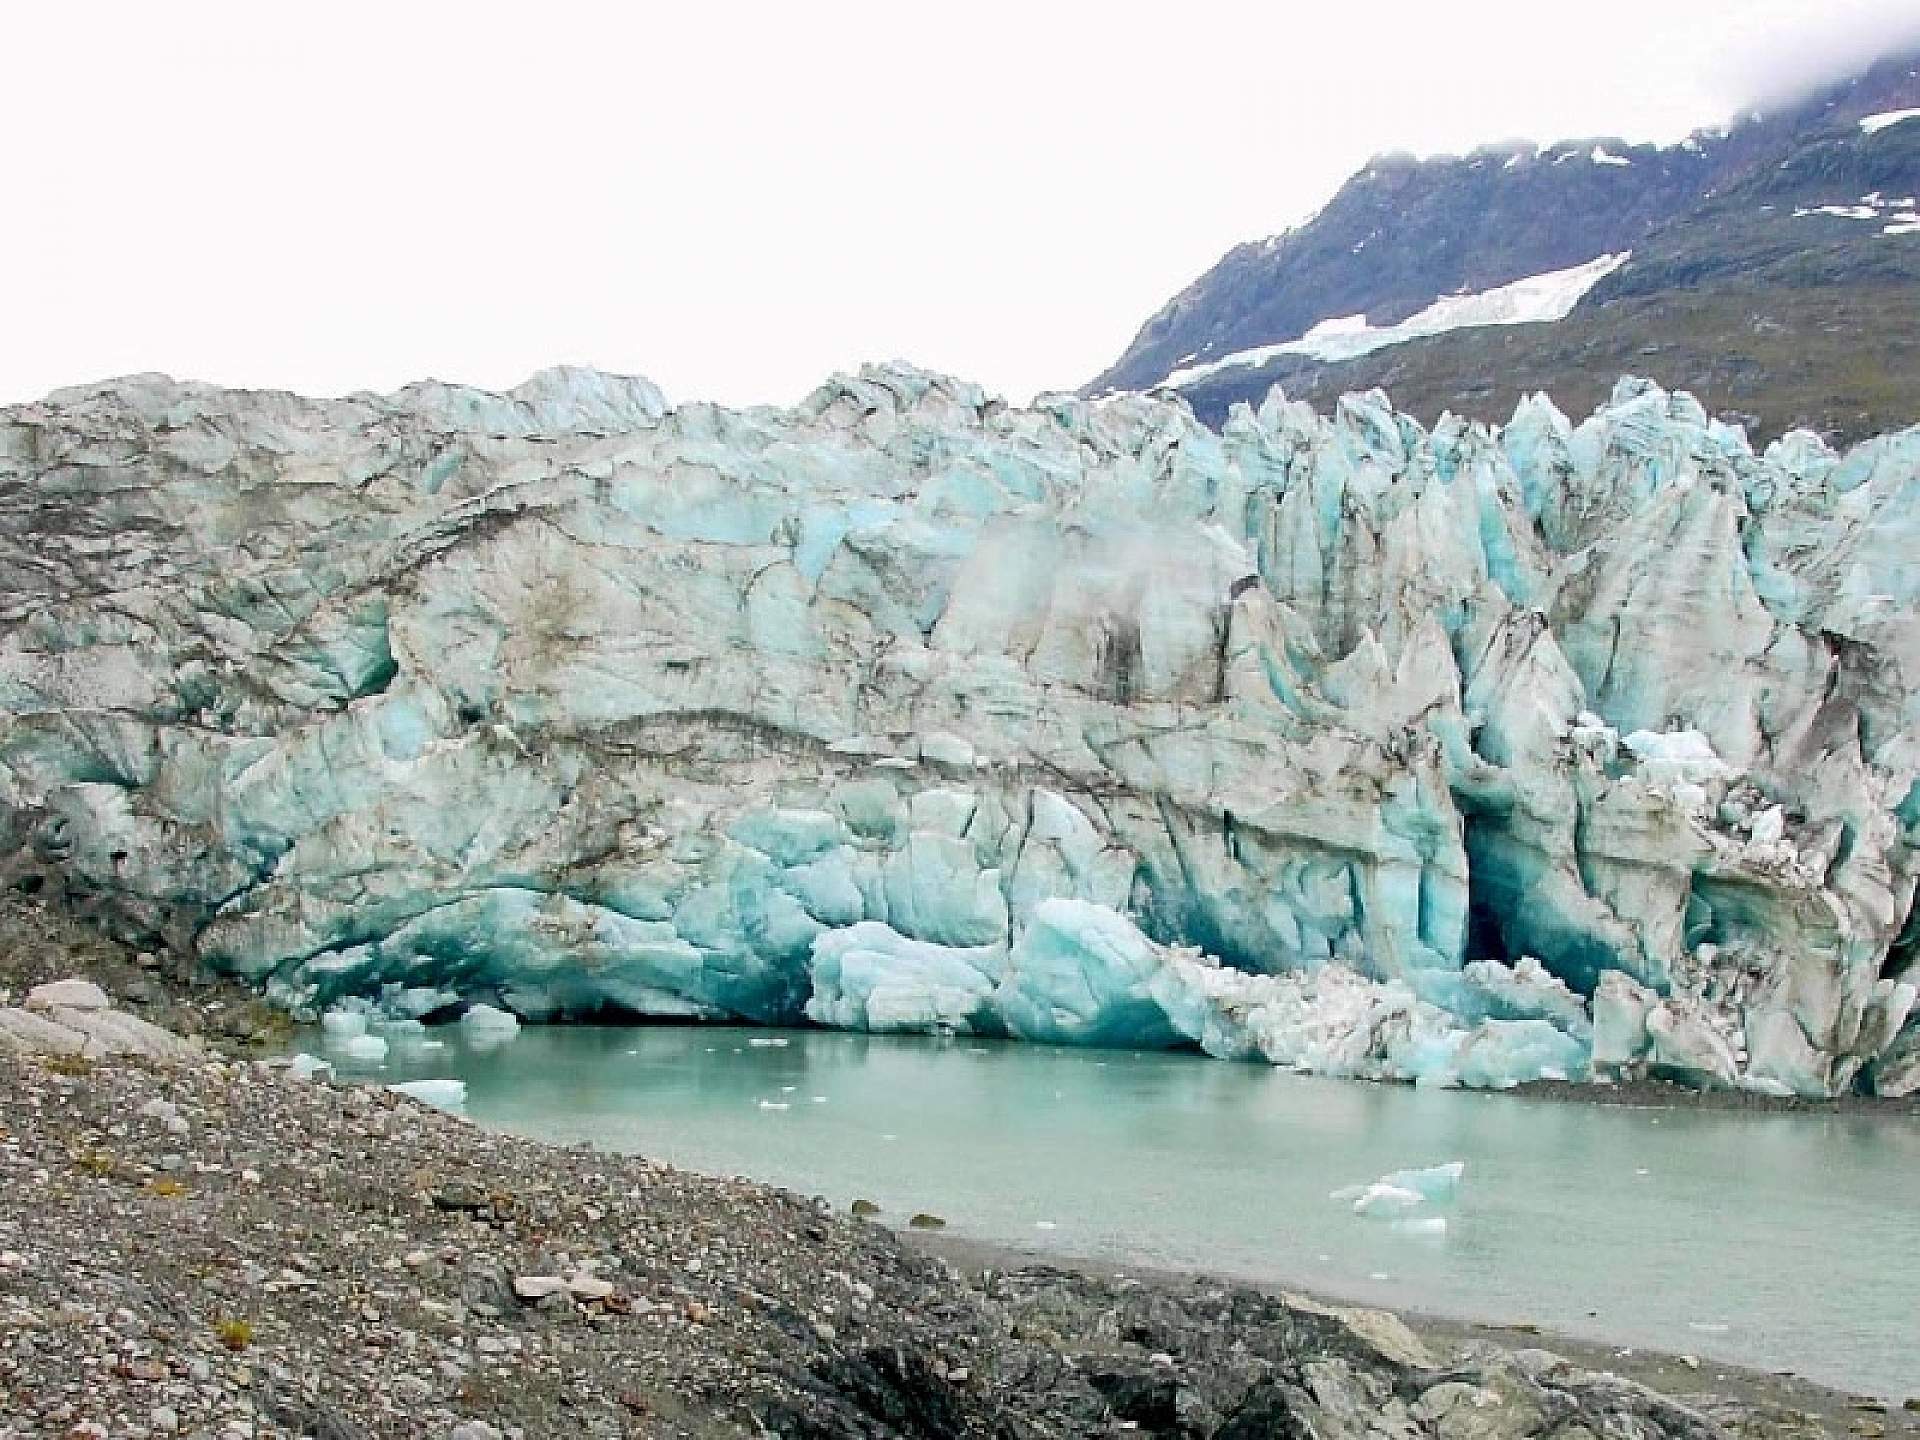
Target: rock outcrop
1469,756
74,1019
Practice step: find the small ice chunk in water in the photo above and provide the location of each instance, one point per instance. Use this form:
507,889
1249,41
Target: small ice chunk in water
340,1026
1404,1190
309,1067
441,1094
1045,1225
1422,1225
487,1022
774,1105
1436,1182
1386,1201
364,1047
777,1042
1707,1327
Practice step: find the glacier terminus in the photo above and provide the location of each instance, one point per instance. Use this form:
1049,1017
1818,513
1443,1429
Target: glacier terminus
1467,756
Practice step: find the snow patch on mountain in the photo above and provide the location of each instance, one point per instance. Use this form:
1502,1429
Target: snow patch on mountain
1536,299
1901,215
1874,124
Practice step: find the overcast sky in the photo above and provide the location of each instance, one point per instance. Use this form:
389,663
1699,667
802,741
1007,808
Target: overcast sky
737,199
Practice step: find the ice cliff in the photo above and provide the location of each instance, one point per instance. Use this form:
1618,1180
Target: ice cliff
1467,756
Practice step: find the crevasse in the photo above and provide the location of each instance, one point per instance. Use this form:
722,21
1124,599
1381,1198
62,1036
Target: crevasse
1465,756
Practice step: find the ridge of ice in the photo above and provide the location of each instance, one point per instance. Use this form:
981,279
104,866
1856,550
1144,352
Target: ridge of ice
1300,742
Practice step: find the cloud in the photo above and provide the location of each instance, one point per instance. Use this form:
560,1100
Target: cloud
1778,59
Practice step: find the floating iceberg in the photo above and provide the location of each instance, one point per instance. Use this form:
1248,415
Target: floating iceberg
340,1026
1387,1201
1436,1182
1462,755
310,1067
488,1023
1398,1196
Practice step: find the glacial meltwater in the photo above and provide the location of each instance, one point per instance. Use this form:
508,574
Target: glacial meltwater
1777,1241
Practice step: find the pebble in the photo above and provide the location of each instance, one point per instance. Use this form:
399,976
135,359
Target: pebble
68,995
589,1287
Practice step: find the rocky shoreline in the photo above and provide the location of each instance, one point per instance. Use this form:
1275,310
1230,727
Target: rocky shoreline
1820,1409
1650,1094
199,1243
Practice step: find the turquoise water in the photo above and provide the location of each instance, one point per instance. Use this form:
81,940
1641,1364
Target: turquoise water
1773,1241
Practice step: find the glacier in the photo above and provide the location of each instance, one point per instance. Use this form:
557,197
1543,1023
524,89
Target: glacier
1463,755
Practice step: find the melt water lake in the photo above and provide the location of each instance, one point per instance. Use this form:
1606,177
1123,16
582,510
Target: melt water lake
1774,1241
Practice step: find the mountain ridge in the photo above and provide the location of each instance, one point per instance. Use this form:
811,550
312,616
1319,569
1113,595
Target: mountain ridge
1403,233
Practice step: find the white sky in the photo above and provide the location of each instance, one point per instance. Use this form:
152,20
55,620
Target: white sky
737,199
